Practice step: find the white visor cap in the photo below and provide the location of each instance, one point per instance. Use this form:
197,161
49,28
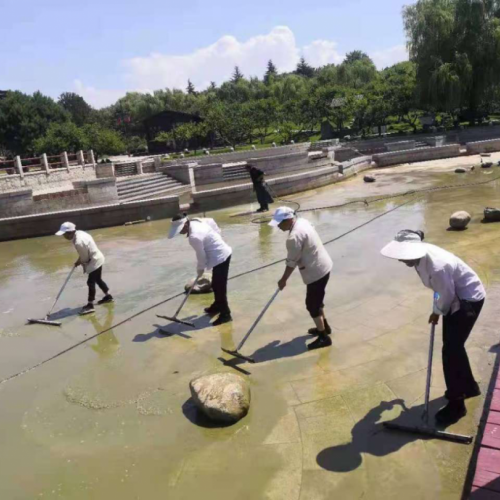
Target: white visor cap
65,228
281,214
176,227
407,245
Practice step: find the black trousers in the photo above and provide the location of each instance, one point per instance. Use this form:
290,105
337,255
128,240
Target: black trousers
316,295
456,330
263,196
219,285
93,280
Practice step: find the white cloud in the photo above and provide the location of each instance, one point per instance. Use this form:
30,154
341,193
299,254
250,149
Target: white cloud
322,52
97,97
216,63
388,57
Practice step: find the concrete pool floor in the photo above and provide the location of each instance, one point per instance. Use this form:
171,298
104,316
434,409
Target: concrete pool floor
112,418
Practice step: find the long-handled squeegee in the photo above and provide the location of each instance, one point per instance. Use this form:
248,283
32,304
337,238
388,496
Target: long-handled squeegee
426,430
46,320
236,353
174,318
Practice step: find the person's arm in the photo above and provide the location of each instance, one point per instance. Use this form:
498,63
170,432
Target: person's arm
294,248
444,288
201,256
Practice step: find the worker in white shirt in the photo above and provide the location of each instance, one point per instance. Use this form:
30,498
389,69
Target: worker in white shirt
306,251
212,252
459,298
91,259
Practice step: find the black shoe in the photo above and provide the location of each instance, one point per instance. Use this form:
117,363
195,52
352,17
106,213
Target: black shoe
260,210
320,342
315,332
223,318
89,308
470,393
106,299
451,413
212,310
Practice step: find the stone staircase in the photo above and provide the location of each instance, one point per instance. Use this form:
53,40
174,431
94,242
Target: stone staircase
142,187
235,171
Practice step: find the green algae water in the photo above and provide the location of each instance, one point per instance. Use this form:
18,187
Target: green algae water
112,418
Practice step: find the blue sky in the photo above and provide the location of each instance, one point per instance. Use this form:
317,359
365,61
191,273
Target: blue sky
102,48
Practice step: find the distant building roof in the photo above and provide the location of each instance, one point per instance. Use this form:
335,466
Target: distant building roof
171,116
3,94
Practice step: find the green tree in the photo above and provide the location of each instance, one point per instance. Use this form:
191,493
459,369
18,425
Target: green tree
271,73
237,75
232,123
303,69
103,141
76,106
190,88
24,118
61,137
356,55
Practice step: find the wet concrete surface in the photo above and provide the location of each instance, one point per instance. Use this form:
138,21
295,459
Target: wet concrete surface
112,418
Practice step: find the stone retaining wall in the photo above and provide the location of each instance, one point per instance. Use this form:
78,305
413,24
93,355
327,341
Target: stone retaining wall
289,184
400,146
414,155
88,218
483,146
40,180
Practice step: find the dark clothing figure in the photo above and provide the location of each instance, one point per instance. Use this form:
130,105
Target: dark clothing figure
316,295
93,280
460,382
219,285
261,190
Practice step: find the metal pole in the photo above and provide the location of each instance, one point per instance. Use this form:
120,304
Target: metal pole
425,415
256,322
62,290
186,297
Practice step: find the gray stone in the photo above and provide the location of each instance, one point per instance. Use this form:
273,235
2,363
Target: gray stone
460,220
460,170
204,284
369,178
492,214
222,397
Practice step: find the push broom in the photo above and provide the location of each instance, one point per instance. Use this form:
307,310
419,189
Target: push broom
46,320
174,317
236,352
426,429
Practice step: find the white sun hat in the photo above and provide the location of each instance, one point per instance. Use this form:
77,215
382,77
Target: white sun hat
281,214
65,228
407,245
176,227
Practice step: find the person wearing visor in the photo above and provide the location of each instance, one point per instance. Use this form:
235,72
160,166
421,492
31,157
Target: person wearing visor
459,298
212,252
91,259
306,251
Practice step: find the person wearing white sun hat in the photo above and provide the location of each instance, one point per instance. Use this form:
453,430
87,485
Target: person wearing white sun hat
459,298
306,251
92,261
212,252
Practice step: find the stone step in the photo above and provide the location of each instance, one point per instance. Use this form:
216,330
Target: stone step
148,191
140,178
140,188
236,176
144,183
156,194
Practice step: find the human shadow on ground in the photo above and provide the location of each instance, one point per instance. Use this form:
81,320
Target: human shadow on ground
370,437
490,490
171,329
197,417
65,313
278,350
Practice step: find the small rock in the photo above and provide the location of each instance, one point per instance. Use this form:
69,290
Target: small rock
222,397
460,170
488,164
492,214
204,284
369,178
472,168
460,220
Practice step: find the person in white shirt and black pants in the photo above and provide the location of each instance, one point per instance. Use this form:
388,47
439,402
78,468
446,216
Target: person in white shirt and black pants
306,251
212,252
91,259
459,298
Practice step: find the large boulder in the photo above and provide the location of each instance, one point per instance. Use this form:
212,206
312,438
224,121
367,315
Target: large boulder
460,220
204,284
492,214
222,397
